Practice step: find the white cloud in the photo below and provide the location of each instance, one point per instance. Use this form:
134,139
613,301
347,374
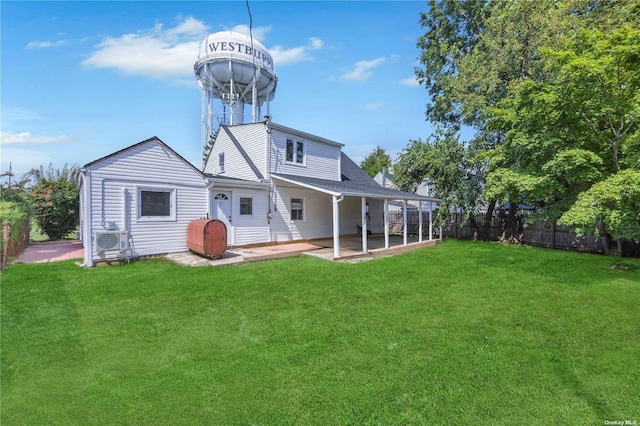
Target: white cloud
157,53
189,27
13,138
362,70
46,44
282,56
259,33
410,82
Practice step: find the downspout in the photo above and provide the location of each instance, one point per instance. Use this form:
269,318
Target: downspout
336,225
268,177
365,231
404,217
87,238
430,220
386,223
420,221
210,185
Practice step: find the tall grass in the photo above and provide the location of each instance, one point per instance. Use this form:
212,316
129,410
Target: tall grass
471,333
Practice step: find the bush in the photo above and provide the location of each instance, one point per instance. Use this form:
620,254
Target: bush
15,214
56,201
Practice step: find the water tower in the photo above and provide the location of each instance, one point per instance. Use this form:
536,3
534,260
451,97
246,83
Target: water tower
237,70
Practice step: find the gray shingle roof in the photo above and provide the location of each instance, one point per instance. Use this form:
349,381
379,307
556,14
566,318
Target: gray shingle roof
355,183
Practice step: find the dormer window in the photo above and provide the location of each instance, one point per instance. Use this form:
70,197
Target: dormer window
295,152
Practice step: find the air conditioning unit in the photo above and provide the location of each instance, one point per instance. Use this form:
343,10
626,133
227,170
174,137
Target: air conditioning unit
111,240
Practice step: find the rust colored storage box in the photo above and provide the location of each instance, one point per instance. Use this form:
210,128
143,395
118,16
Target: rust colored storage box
207,237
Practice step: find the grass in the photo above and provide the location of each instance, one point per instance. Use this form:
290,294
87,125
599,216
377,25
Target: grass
36,234
466,333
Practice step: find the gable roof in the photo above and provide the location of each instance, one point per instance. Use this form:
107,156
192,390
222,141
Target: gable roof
244,154
153,139
355,182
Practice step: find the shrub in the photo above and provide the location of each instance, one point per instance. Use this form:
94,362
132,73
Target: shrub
56,201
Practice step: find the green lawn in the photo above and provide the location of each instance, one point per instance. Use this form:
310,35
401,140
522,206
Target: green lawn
460,333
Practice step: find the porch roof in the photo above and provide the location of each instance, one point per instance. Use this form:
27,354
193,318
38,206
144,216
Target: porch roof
350,188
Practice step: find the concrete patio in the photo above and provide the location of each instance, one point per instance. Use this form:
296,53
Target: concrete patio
350,251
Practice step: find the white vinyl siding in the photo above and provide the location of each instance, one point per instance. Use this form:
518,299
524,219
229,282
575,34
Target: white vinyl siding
252,138
319,159
253,228
115,183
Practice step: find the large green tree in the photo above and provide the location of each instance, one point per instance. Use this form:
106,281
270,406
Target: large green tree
569,136
470,53
505,70
377,161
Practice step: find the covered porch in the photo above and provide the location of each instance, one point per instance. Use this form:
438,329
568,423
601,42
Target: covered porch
339,190
350,251
351,247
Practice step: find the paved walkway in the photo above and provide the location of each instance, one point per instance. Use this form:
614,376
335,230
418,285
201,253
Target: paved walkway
52,252
350,250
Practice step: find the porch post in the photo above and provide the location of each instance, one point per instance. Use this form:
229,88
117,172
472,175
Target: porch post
420,221
386,223
364,226
404,217
430,220
336,228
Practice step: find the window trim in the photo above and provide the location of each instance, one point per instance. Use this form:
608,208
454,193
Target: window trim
240,198
294,145
221,160
303,210
172,203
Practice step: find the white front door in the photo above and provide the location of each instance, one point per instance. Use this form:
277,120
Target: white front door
221,210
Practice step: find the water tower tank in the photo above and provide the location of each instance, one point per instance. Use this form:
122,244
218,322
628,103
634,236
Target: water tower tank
237,70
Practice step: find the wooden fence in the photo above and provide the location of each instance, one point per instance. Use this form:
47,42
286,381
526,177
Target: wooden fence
539,234
13,246
396,223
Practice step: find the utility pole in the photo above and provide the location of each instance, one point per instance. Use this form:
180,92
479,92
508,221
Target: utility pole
9,173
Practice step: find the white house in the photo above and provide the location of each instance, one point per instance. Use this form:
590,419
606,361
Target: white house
268,183
386,178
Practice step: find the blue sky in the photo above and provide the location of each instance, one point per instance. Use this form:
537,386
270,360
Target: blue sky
81,80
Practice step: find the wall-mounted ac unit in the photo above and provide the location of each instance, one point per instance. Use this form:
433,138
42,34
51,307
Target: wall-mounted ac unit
111,240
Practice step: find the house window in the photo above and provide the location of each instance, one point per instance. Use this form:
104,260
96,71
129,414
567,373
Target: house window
221,162
297,207
295,152
156,204
246,206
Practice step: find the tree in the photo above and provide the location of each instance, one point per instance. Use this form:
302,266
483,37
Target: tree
471,52
456,180
501,68
566,138
55,199
611,206
376,161
208,147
